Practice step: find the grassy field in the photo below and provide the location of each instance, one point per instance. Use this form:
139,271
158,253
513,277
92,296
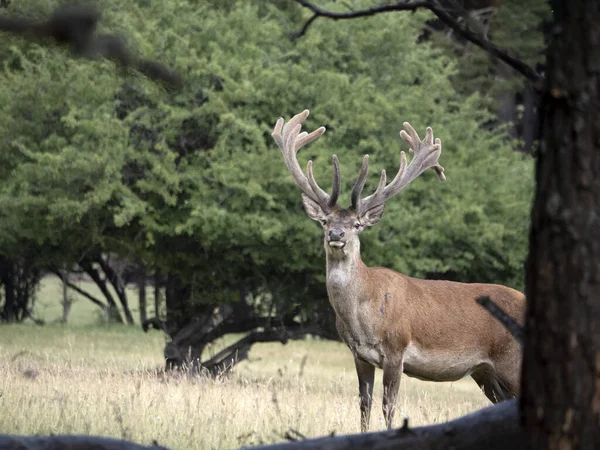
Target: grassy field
106,380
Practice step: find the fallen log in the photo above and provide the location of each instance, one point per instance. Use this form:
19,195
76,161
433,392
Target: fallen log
494,428
70,442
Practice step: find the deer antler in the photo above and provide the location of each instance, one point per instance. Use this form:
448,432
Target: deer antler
290,140
426,153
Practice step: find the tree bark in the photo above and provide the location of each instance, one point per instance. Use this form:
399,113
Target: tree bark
561,373
74,442
142,297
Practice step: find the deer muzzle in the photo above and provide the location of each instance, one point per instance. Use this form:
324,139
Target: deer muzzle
334,238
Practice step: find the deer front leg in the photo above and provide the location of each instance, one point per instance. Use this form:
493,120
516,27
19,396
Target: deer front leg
391,382
366,377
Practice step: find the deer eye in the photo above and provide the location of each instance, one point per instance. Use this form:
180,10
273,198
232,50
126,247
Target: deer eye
357,225
323,222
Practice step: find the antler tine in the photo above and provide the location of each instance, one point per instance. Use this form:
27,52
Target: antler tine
426,155
290,140
328,200
359,184
336,182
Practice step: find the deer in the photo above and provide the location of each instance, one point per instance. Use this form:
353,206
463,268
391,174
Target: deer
432,330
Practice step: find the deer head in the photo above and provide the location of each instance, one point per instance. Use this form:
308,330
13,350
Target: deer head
341,226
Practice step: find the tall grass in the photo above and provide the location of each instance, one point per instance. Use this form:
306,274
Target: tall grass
107,381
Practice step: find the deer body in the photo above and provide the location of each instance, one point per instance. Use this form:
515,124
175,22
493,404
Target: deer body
441,336
429,329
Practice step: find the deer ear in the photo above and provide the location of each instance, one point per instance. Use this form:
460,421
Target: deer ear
313,209
372,216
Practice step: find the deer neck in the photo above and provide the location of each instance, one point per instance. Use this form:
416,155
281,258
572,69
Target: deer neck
345,279
347,287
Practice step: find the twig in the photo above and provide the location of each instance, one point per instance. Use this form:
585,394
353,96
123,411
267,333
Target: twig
294,435
73,25
501,53
509,323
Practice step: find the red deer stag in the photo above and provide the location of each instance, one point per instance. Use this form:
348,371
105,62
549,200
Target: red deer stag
429,329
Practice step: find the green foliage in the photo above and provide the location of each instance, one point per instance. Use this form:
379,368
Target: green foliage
192,183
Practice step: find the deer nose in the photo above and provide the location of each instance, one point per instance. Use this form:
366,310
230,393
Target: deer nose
336,235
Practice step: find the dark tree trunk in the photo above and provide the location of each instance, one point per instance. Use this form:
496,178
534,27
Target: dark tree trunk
18,281
112,309
157,294
142,295
9,312
507,101
561,373
117,283
530,122
177,295
66,299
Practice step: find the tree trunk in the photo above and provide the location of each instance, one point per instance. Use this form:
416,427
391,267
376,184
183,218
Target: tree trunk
157,294
506,101
142,295
561,373
112,310
117,283
9,313
66,299
19,278
530,122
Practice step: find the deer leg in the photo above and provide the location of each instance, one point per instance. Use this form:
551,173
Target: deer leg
391,383
366,377
485,382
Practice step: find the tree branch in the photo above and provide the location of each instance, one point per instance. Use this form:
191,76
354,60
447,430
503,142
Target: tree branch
117,283
73,25
509,323
77,289
87,295
504,55
95,275
223,361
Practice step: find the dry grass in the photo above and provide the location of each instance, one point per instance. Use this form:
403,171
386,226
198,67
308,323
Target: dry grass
104,381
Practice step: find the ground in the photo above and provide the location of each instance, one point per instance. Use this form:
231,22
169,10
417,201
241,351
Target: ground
106,380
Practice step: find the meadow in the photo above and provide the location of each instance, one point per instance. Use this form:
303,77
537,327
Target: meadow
85,377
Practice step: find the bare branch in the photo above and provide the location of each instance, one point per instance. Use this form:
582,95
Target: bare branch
503,54
74,26
223,361
509,323
81,291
